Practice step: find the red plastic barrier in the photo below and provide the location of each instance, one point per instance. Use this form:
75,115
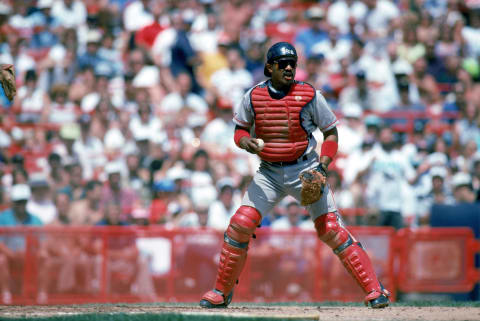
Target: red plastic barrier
437,260
152,264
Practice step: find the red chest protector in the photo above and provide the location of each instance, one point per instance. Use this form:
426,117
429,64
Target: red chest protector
278,123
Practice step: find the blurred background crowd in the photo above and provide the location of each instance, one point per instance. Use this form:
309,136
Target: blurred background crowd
124,107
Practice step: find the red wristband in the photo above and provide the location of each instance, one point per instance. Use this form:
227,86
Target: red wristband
329,148
239,133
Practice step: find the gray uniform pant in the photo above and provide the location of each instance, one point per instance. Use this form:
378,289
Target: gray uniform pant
272,182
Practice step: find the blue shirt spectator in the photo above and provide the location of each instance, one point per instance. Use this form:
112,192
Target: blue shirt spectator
315,33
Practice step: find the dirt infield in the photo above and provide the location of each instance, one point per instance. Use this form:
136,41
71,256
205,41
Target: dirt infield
246,312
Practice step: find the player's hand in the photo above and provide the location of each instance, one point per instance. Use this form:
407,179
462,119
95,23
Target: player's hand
250,144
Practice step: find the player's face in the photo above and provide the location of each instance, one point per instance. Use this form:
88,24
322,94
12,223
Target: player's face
283,72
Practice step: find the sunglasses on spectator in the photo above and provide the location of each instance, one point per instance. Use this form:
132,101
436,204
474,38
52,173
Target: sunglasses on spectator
282,64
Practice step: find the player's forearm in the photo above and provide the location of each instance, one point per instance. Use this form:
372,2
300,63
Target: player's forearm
329,147
240,132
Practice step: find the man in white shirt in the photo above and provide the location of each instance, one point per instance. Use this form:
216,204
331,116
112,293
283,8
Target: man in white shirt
184,97
233,81
388,188
70,13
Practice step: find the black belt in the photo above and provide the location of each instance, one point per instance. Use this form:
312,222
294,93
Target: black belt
288,163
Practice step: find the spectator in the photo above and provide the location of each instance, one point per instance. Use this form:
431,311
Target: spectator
145,36
136,15
388,189
380,18
65,257
183,56
88,210
63,204
88,149
346,13
293,218
230,83
439,194
334,49
104,115
218,133
61,110
31,99
183,98
462,188
91,57
317,75
45,27
115,191
314,33
124,257
467,128
70,13
75,188
12,248
358,92
103,72
83,83
221,210
41,203
352,128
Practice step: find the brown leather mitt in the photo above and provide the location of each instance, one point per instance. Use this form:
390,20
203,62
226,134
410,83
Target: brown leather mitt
313,183
7,79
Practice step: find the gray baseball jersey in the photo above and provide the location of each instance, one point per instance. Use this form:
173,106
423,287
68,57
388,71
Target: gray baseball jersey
274,181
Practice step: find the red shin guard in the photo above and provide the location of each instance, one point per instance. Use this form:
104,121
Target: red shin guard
235,246
331,230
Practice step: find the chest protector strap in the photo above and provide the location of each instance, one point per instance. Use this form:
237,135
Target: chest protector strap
278,121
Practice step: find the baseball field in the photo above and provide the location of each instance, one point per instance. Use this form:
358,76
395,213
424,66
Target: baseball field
425,311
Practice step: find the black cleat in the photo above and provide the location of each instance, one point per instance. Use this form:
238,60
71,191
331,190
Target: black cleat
215,295
381,302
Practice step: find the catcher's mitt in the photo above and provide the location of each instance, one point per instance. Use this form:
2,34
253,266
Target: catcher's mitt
7,79
313,182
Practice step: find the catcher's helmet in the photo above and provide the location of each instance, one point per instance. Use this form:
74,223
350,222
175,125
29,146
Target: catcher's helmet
279,50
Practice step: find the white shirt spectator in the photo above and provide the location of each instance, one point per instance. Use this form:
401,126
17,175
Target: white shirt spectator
61,114
283,224
90,154
45,210
136,17
340,12
70,17
232,83
34,102
332,54
219,216
162,45
219,133
472,37
173,102
145,130
388,188
378,19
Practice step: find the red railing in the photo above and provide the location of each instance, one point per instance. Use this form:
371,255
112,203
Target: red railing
140,264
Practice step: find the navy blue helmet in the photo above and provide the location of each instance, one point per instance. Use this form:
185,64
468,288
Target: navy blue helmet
279,50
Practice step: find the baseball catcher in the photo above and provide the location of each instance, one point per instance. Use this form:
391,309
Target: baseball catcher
282,114
7,79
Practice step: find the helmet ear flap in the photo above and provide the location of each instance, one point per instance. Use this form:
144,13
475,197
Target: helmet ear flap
266,70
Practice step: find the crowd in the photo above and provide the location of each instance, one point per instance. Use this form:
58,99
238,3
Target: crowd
124,107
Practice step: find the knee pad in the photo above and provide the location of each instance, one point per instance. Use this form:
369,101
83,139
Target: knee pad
243,224
330,230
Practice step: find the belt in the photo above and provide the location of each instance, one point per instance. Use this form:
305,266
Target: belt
294,162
